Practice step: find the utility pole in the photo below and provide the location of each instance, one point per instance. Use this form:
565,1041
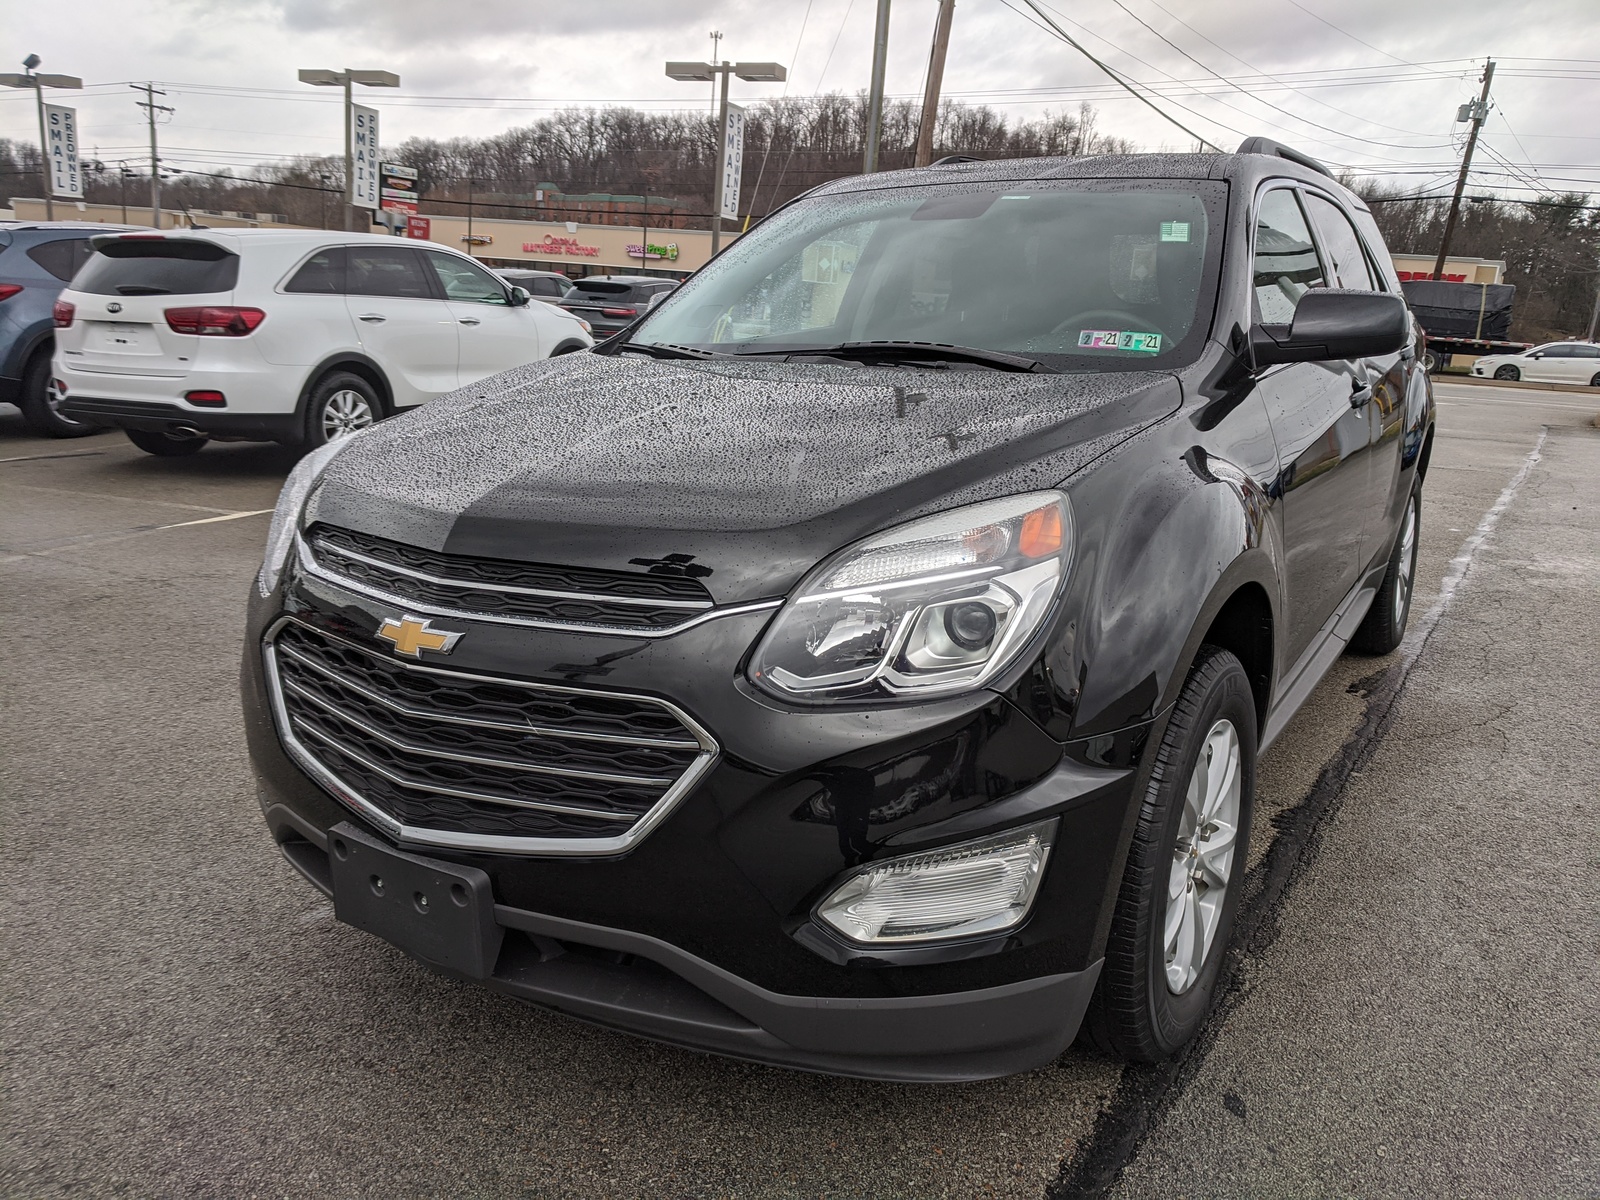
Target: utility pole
469,217
930,97
1594,315
151,108
122,170
880,57
1477,112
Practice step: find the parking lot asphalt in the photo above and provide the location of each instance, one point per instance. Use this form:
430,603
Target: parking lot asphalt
1415,1000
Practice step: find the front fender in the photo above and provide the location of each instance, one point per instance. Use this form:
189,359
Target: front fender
1160,552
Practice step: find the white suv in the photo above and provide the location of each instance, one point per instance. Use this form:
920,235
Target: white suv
296,336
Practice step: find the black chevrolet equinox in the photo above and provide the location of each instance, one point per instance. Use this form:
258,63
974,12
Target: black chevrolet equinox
860,662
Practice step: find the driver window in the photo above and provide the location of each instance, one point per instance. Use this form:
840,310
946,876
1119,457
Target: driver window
1286,263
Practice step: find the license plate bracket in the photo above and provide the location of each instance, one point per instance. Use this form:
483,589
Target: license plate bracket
442,913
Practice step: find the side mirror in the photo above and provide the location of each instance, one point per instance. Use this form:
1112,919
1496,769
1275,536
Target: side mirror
520,296
1537,354
1333,323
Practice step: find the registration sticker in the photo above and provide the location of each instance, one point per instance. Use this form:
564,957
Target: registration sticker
1120,339
1174,231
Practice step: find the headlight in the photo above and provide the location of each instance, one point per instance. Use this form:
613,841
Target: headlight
972,888
940,605
286,516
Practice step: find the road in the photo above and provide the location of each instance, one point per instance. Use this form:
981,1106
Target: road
1413,1006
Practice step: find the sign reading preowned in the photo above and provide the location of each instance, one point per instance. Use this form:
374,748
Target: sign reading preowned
364,156
61,131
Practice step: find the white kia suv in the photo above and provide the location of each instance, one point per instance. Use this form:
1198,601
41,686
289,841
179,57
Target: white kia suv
295,336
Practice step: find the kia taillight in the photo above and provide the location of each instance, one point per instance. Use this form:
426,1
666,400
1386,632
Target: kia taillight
8,290
620,312
214,322
63,311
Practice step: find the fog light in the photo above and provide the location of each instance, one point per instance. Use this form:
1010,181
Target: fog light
206,399
957,891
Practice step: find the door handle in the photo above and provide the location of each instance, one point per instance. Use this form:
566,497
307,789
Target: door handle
470,321
372,318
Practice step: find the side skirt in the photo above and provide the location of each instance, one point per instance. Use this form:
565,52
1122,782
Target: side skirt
1302,678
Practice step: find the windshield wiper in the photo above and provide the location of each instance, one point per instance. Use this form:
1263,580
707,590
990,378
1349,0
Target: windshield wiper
668,350
903,351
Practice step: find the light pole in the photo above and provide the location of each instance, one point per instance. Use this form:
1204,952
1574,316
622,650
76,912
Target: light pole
344,79
38,83
699,72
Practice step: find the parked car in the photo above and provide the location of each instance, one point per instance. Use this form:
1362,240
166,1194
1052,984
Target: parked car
874,687
1553,362
548,287
296,336
36,261
613,302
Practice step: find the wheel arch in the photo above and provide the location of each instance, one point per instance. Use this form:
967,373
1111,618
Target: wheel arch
570,346
357,364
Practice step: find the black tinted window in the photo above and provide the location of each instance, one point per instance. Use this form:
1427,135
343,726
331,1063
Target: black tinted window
158,267
321,274
62,257
1343,246
1286,258
1559,351
385,271
1586,352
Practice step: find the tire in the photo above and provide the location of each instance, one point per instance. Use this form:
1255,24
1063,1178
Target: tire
39,409
1507,372
1595,382
1431,362
1146,1008
341,404
163,446
1385,623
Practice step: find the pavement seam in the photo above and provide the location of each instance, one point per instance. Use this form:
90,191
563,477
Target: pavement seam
1147,1092
90,541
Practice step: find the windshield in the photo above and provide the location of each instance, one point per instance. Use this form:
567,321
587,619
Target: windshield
1093,275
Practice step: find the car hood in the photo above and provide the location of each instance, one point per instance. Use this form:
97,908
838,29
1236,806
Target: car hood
751,471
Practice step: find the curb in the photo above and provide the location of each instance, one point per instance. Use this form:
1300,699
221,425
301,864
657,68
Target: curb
1475,381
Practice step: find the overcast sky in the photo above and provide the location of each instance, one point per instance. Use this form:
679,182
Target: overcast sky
1371,84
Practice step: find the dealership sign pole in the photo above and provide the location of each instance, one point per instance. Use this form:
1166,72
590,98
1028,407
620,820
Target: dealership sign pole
37,83
367,195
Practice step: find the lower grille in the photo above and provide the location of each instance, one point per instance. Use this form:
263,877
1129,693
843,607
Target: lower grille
448,758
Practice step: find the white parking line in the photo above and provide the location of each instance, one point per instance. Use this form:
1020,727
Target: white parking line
90,541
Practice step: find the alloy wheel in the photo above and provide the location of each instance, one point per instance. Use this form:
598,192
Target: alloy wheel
1406,567
1202,857
346,412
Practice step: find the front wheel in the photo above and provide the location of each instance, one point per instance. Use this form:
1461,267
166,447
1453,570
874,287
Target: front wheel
163,446
341,405
41,408
1385,623
1507,372
1595,382
1174,912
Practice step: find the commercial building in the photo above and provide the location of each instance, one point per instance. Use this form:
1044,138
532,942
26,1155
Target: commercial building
1457,268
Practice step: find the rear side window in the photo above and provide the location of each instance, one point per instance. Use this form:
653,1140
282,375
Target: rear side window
62,257
1286,263
1343,246
158,267
463,280
322,274
385,271
1586,352
546,286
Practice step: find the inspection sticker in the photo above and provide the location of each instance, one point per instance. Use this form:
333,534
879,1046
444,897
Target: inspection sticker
1174,231
1120,339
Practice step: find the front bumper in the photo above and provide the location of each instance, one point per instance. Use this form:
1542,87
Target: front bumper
701,933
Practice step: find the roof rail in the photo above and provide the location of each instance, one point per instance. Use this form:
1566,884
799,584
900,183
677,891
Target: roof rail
1261,145
950,160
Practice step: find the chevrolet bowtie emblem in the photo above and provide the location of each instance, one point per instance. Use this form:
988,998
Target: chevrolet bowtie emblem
411,636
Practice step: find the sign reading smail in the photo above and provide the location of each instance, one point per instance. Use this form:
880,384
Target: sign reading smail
61,134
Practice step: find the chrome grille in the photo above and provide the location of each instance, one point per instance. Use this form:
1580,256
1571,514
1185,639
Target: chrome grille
449,758
500,589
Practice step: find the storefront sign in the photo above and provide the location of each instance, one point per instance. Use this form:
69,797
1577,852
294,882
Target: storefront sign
61,130
398,188
652,250
364,160
553,246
